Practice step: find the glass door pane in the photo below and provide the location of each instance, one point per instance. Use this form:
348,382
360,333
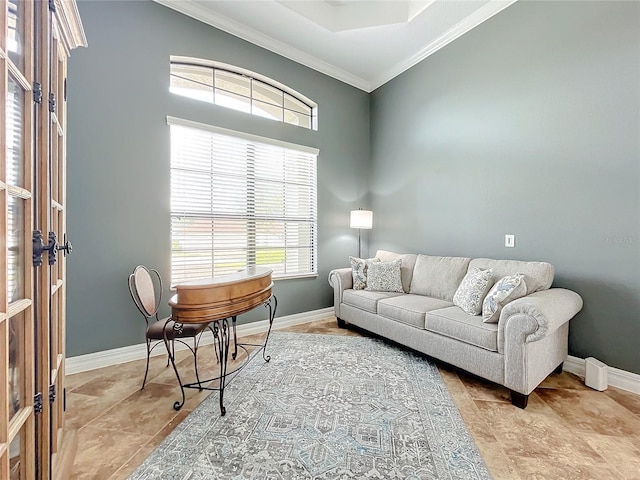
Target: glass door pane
15,248
16,364
16,462
15,32
15,132
21,466
18,221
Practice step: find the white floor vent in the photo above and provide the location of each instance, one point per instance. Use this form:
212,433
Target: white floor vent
595,374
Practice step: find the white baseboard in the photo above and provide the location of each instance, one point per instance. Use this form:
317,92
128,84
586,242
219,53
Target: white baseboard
107,358
616,378
82,363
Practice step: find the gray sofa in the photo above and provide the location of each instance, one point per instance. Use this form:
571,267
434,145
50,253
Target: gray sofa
528,342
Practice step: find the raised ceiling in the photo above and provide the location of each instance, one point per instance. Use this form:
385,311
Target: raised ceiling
361,42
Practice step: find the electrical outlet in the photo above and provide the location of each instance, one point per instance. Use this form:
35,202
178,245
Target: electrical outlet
509,240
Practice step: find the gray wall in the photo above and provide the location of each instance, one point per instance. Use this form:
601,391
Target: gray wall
118,160
530,125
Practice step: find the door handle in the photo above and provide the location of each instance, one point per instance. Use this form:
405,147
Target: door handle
51,248
66,247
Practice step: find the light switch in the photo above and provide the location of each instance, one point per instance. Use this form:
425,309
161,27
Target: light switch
509,240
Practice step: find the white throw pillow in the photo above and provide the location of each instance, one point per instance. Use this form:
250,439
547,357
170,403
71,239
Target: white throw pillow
384,277
359,267
472,290
504,291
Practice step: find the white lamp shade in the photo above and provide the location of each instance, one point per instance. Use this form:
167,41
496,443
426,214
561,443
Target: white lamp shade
361,219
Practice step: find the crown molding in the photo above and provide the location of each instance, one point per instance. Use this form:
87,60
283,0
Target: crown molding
193,10
70,24
476,18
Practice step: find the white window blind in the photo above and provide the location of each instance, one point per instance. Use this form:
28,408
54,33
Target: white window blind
238,200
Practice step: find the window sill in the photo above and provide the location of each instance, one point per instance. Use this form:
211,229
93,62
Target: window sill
295,277
172,288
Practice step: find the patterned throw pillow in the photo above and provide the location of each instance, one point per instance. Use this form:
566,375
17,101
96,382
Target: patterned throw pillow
384,277
504,291
359,268
472,290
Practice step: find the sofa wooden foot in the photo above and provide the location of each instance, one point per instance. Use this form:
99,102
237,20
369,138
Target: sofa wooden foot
559,368
341,323
519,400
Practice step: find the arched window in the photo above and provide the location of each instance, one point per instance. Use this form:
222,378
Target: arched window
240,89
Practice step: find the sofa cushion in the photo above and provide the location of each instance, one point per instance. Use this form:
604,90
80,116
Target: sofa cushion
366,300
384,277
359,268
438,277
537,275
406,268
455,323
472,290
409,309
504,291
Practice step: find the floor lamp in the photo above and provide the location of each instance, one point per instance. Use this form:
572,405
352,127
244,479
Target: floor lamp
361,219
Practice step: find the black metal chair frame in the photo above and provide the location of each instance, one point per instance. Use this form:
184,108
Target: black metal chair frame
177,331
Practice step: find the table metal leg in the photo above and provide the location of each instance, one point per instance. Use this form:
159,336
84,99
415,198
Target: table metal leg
272,305
215,340
177,328
223,343
235,338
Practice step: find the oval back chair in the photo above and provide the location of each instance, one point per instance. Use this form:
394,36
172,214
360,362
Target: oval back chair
142,287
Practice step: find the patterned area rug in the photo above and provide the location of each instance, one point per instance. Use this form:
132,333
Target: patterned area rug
325,407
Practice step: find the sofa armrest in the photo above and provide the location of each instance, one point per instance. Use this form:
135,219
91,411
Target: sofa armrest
533,336
549,309
340,279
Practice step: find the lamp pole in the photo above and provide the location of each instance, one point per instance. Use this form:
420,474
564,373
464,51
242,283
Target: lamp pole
361,219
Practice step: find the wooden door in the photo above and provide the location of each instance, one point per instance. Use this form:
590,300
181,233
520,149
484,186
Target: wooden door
59,32
17,320
63,33
36,38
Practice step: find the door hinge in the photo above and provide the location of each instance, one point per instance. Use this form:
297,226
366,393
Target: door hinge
37,402
64,89
64,399
37,92
52,5
52,393
52,102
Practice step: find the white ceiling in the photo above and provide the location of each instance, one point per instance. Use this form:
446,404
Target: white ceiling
364,43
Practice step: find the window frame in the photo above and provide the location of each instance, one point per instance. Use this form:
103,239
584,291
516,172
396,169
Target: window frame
251,246
251,76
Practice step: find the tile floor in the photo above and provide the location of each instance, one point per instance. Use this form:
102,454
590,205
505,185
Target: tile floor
568,431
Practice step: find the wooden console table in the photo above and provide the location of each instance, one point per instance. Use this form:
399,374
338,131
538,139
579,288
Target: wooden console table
215,301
